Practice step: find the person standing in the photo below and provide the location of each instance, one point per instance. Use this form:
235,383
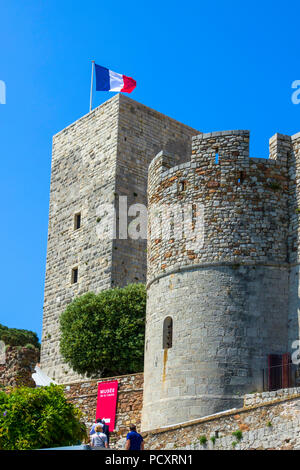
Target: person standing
106,430
92,431
99,439
134,441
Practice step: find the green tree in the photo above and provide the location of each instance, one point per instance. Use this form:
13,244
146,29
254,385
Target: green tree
36,418
16,337
104,333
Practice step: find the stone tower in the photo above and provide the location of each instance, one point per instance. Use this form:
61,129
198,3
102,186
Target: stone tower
223,273
97,159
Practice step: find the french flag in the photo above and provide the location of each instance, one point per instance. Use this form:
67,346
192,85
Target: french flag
107,80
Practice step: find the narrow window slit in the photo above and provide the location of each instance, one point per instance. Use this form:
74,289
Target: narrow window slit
182,186
241,177
74,276
77,221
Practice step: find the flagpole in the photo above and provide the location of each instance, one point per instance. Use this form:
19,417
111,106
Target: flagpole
91,93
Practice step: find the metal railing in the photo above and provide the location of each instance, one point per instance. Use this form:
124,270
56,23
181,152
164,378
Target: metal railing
280,376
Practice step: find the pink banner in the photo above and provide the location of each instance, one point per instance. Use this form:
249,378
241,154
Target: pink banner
107,402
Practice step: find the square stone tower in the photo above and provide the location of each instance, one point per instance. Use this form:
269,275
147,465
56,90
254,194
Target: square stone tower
97,159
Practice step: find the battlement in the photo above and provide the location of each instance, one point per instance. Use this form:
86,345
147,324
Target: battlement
224,158
217,150
245,202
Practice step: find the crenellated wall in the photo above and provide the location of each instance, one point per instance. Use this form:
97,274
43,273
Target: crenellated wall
222,250
99,158
293,238
218,264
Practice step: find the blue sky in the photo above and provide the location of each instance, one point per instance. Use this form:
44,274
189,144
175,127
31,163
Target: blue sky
213,65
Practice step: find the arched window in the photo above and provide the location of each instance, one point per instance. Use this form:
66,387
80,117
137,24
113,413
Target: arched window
167,333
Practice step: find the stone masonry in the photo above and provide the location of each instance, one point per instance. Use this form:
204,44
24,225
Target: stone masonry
83,394
230,285
18,370
18,367
270,425
222,256
100,157
269,420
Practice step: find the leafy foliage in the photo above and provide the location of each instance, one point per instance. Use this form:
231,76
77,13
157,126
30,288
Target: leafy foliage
36,418
104,333
16,337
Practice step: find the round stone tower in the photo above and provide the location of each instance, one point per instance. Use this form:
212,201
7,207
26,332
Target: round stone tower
217,283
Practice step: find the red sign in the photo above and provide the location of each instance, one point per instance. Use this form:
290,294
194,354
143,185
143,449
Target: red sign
107,402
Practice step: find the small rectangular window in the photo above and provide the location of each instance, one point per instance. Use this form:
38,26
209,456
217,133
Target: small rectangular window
74,277
181,186
77,221
241,177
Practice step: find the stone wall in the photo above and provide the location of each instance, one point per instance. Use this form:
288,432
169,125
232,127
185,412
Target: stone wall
142,133
252,399
233,296
218,265
18,367
294,233
245,203
99,158
129,403
222,336
269,420
82,179
266,426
